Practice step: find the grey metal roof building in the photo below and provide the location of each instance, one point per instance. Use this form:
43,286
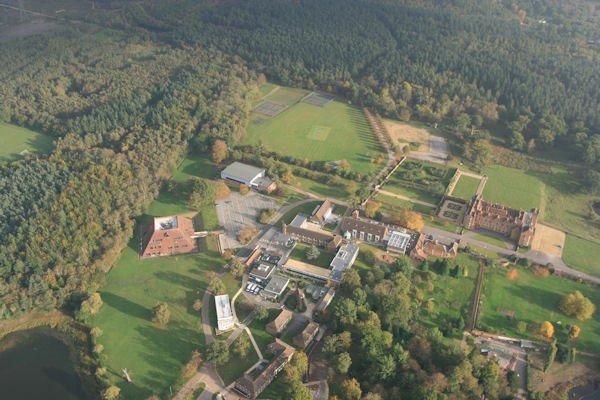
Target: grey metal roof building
224,315
243,173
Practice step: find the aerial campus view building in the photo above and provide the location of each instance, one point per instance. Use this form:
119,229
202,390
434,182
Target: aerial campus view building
166,236
516,224
225,320
253,177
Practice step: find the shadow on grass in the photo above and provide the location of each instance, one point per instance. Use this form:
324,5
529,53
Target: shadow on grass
180,280
125,306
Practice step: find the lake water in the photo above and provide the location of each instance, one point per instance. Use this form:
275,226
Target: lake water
34,365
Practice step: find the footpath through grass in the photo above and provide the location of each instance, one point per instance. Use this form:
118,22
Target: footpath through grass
582,255
535,300
152,354
236,366
16,139
343,133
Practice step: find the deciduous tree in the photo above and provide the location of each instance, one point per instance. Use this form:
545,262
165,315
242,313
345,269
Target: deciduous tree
161,314
219,151
578,306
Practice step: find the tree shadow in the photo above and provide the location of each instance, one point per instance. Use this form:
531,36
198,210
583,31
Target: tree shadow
179,279
125,306
540,297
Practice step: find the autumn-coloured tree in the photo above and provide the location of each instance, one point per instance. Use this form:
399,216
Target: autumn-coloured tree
350,389
246,234
197,306
221,190
237,268
371,208
161,314
412,220
244,189
219,151
574,331
578,306
512,274
344,165
547,330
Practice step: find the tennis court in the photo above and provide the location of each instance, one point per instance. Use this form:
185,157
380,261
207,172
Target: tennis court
269,109
317,99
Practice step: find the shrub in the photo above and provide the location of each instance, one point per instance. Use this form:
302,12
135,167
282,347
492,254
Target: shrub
578,306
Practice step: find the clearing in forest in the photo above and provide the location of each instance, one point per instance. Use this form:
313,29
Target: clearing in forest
342,132
18,142
403,133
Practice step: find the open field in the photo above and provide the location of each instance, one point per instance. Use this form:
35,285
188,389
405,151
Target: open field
152,354
582,255
261,336
548,240
405,204
199,165
465,187
343,133
16,139
413,193
236,366
440,224
513,187
321,189
324,259
535,300
403,133
452,297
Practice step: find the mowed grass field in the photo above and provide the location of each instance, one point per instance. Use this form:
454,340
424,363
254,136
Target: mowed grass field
582,255
337,131
513,187
285,95
465,187
535,300
15,139
153,355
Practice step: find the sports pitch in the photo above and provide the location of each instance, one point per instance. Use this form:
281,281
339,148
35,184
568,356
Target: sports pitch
334,132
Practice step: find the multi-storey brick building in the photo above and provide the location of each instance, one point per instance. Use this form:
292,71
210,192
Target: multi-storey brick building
516,224
166,236
363,229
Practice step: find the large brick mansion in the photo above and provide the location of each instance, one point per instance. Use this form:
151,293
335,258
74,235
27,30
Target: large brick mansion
517,224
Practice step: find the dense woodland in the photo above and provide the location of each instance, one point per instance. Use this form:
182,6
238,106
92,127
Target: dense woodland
381,349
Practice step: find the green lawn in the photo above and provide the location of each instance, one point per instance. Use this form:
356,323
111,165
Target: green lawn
321,189
16,139
324,259
491,254
199,165
491,240
152,354
286,95
465,187
404,204
168,204
261,336
440,224
343,133
582,255
267,88
236,366
413,193
452,296
305,208
276,390
513,187
535,300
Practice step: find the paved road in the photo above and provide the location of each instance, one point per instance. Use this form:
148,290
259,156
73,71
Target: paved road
536,256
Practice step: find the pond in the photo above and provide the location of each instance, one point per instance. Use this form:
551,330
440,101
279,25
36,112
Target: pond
35,365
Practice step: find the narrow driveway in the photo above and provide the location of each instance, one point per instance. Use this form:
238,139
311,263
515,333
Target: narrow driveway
536,256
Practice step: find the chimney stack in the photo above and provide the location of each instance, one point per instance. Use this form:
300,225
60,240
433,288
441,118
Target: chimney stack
355,213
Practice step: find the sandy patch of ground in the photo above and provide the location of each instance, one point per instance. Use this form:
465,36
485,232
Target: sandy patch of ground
548,240
402,134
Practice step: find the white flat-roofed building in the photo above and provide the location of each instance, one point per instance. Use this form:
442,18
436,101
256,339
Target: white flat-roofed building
224,315
397,242
343,260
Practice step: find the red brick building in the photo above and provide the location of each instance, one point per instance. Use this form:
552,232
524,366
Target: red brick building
516,224
166,236
429,247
